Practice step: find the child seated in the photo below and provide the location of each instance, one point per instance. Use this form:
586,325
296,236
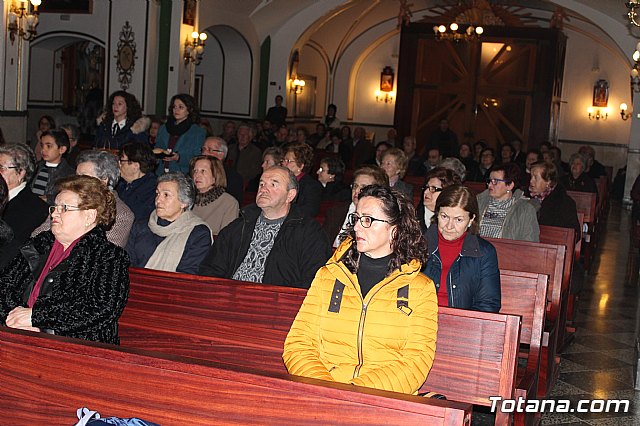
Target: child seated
53,143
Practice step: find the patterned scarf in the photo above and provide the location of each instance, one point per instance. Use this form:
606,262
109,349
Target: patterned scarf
540,196
205,198
493,217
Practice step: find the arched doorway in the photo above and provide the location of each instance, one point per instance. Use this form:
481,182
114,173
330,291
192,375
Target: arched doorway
75,83
224,78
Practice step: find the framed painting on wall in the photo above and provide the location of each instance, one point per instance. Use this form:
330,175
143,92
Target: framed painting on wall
601,93
66,6
189,12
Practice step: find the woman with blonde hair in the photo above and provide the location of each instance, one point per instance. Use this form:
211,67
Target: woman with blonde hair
394,163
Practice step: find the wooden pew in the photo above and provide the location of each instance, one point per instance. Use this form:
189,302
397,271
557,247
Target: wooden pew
547,259
245,324
46,378
525,294
566,237
586,204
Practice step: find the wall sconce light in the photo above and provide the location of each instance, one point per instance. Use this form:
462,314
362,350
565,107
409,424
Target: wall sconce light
386,97
623,112
598,114
297,85
194,48
21,23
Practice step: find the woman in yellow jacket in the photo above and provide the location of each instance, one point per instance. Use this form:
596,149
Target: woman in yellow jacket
370,317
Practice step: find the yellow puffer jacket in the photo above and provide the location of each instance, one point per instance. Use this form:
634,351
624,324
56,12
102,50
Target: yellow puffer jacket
387,341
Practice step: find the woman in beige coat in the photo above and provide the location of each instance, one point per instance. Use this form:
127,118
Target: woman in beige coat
213,205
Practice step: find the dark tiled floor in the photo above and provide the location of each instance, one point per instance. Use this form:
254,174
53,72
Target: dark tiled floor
599,362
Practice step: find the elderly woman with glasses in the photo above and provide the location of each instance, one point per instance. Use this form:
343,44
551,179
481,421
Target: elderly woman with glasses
174,238
330,175
463,266
504,210
435,181
376,268
71,280
25,211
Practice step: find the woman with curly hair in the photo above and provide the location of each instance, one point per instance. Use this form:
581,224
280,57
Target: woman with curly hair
372,283
121,122
180,138
298,158
466,264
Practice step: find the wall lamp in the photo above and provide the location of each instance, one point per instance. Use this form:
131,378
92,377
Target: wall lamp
297,85
386,97
194,48
21,23
623,112
598,114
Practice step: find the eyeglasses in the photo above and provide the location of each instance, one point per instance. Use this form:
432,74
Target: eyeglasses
125,161
365,221
5,168
495,181
431,189
207,149
287,161
63,208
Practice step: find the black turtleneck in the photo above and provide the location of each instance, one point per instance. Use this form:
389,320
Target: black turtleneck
371,272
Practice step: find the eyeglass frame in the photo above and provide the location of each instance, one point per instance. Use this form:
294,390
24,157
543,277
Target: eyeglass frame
353,217
120,160
494,181
64,208
432,189
4,168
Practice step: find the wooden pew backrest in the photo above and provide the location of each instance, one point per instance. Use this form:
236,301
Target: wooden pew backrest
48,377
525,256
476,357
585,203
245,324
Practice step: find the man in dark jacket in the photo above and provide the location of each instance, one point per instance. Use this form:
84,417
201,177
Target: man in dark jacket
272,241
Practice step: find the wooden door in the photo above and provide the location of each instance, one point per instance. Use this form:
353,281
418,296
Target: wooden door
498,89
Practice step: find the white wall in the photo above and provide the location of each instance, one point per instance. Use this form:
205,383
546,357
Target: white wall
588,61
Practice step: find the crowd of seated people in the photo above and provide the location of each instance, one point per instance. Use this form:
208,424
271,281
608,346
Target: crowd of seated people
191,193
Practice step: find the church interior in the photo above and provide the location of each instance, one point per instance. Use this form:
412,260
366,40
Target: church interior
561,72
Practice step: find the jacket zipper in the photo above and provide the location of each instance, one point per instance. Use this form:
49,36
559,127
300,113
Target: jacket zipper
363,315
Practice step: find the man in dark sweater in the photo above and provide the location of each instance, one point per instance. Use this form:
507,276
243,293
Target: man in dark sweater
272,241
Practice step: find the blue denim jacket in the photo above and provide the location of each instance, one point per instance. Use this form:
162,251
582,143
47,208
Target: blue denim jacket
473,281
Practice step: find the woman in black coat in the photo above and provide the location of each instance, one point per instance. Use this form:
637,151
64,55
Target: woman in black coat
298,158
557,208
70,280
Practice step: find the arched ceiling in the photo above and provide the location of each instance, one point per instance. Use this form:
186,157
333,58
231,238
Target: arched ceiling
270,14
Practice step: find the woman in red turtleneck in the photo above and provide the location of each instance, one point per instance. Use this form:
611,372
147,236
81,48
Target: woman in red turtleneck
463,266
